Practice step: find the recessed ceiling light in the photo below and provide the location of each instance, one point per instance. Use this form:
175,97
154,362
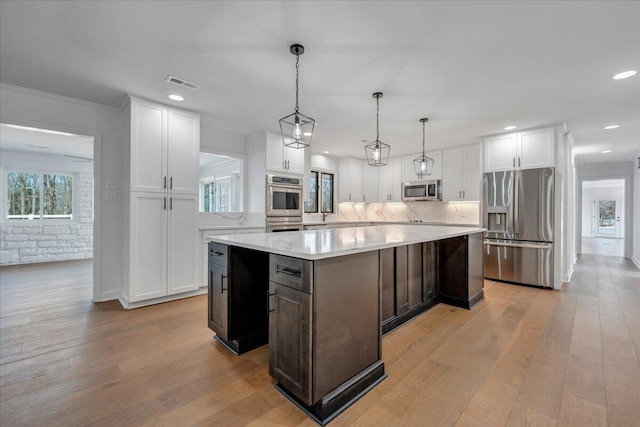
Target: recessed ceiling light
307,133
325,152
612,127
625,75
176,98
510,128
605,151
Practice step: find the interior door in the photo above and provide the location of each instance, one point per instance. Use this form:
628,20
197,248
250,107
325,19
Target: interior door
607,217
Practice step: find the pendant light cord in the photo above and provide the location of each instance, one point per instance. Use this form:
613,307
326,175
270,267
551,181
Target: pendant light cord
377,117
297,79
423,139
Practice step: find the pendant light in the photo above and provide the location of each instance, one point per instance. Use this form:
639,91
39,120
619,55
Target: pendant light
377,151
423,164
296,128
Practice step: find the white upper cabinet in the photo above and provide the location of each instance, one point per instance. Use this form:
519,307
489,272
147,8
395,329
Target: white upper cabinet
500,152
461,174
350,180
280,158
390,181
164,148
521,150
370,182
536,148
409,171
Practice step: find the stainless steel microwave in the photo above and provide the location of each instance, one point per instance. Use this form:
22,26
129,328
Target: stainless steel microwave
421,190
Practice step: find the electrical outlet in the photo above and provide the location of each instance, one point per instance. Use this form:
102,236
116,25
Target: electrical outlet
110,196
110,185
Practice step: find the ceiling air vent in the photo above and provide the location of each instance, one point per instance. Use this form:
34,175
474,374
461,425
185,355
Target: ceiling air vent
182,82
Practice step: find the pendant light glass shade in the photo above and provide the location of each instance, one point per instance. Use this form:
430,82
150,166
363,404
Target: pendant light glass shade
423,165
297,128
377,151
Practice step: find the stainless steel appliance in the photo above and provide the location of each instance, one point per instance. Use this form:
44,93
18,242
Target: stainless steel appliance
281,223
421,190
283,203
518,210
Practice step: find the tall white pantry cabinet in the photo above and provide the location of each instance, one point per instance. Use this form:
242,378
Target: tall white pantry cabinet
160,257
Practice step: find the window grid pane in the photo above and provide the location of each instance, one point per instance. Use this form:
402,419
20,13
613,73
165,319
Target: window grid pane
58,196
327,192
311,205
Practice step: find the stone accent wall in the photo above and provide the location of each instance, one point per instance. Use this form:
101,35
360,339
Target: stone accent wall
27,242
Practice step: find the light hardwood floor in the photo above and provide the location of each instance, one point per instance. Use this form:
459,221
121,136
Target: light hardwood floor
524,356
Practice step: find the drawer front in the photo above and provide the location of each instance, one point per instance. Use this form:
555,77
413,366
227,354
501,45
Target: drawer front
218,253
292,272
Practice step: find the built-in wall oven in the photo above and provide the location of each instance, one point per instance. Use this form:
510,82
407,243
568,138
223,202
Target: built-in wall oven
283,203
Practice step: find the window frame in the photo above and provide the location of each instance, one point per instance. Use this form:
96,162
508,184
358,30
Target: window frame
40,219
238,183
318,194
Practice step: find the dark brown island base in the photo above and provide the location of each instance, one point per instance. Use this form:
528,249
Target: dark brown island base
323,299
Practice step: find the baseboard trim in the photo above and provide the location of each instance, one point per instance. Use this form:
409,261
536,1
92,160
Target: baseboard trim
636,261
567,278
107,296
137,304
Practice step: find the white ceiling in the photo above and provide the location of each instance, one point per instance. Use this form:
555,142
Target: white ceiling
76,147
471,67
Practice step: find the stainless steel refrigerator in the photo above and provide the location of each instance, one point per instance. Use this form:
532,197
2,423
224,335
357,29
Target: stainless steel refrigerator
518,216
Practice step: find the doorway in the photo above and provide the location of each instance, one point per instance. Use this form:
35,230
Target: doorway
48,199
603,218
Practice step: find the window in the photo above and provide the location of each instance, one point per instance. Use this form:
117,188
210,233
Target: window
320,194
220,183
37,195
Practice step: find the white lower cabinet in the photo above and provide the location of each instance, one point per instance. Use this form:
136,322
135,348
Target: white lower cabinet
162,246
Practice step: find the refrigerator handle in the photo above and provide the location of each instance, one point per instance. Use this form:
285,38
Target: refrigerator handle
516,202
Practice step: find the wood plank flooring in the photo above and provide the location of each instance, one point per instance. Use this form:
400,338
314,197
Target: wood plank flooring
524,356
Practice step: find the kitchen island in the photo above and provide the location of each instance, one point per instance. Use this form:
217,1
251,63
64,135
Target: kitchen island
322,299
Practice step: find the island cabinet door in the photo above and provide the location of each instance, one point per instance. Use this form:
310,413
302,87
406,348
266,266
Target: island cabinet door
290,323
218,300
429,270
408,277
387,283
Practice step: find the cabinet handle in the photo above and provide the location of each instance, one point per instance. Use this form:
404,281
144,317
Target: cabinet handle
222,288
164,185
171,203
463,194
216,253
349,197
364,197
164,203
518,161
269,309
459,194
514,162
171,183
288,165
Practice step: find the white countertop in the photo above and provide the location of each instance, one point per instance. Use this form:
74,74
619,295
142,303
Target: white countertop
228,227
332,242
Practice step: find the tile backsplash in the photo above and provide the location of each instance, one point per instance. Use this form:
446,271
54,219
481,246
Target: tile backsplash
457,213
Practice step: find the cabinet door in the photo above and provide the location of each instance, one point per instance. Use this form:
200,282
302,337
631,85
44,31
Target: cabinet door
183,152
414,274
429,270
294,158
370,182
390,181
387,283
453,170
148,246
182,243
274,153
290,327
409,171
500,153
148,146
471,175
218,301
536,149
350,180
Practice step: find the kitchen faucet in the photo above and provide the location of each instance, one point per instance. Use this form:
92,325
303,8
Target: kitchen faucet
324,216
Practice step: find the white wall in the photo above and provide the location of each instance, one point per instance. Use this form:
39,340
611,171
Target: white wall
636,211
622,170
26,242
588,195
40,109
